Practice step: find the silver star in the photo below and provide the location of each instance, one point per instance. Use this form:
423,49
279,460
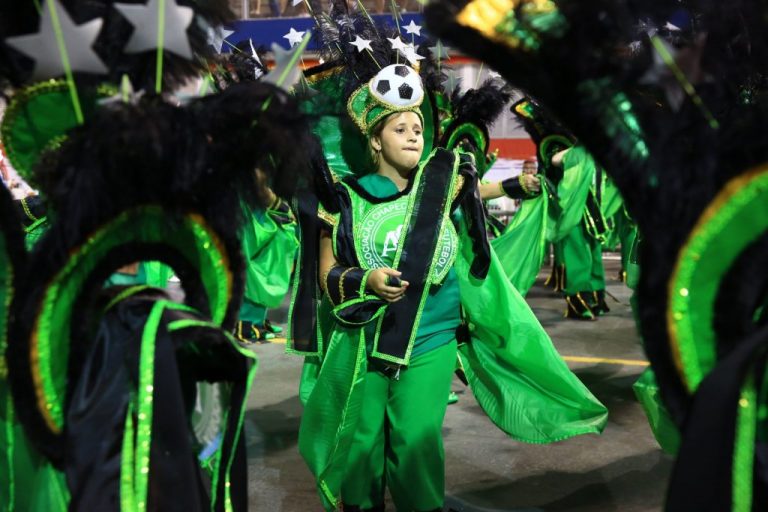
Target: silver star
439,50
361,44
294,37
397,43
144,19
43,47
217,36
413,28
451,80
286,72
410,54
672,28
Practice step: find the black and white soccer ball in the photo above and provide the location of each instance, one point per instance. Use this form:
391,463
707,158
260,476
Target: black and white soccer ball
398,85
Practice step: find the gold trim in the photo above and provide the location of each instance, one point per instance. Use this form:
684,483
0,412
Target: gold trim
459,184
324,74
341,284
327,217
27,211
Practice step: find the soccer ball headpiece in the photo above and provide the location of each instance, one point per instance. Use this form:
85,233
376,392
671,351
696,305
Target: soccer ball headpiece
396,88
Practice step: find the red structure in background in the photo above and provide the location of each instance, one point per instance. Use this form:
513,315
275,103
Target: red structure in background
514,149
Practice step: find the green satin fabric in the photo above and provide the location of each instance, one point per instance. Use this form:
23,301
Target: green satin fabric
332,411
572,193
521,248
515,373
270,252
664,429
612,203
583,260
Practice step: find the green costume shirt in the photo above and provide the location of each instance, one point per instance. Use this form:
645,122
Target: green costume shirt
442,311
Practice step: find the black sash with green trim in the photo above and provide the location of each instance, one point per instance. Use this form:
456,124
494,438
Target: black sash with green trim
420,238
597,225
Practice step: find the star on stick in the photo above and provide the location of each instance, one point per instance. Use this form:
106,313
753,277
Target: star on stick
451,80
413,28
216,37
439,51
294,37
146,27
286,72
361,44
411,55
43,47
397,43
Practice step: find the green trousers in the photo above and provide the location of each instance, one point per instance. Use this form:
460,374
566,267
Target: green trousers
398,442
252,312
583,259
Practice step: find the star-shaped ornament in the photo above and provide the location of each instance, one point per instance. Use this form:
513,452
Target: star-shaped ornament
410,54
451,80
361,44
43,47
217,36
144,19
439,51
294,37
397,43
413,28
687,60
286,72
672,28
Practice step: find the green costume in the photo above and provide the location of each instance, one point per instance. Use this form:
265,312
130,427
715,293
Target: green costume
269,246
514,371
580,232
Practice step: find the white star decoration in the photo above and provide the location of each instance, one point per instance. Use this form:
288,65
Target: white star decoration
284,74
144,19
217,36
294,37
397,43
44,49
361,44
410,53
413,28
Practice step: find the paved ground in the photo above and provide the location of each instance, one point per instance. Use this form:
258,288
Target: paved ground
621,470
